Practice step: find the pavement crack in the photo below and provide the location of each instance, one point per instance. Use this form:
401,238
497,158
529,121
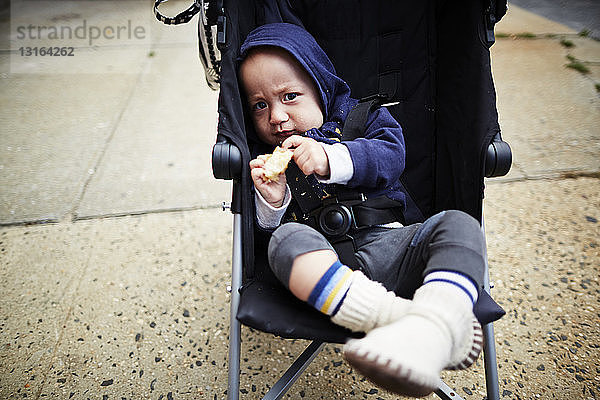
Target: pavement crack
63,326
146,212
580,174
54,349
551,176
76,218
94,169
32,222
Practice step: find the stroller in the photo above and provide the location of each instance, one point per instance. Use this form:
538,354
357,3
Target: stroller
430,63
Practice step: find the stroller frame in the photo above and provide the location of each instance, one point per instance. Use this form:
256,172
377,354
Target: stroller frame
229,158
228,163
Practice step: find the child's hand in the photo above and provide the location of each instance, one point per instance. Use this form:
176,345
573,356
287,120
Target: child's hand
272,191
308,155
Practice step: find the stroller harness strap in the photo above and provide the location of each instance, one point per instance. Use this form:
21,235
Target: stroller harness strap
302,191
354,127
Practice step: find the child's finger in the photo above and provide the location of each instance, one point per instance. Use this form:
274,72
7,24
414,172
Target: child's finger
293,141
257,163
282,180
257,175
305,165
312,159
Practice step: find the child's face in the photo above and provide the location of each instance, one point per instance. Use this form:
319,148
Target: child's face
283,98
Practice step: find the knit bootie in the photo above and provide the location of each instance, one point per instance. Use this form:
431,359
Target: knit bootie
437,332
368,305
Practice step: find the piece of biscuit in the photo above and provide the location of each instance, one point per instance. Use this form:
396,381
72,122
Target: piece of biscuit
276,163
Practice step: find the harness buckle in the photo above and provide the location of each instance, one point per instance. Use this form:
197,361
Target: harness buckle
335,220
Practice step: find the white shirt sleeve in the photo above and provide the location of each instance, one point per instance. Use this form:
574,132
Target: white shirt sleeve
268,216
341,168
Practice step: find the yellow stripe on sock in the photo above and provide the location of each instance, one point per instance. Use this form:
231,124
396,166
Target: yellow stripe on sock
335,290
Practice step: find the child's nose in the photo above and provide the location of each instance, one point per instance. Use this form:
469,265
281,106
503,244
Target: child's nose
278,115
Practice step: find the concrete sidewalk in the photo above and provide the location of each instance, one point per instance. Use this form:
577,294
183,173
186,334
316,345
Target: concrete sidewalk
115,253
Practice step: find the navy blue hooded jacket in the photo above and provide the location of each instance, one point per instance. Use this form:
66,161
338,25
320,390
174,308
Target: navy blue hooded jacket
379,157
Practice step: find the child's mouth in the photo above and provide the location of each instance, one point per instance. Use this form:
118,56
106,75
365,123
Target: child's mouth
285,134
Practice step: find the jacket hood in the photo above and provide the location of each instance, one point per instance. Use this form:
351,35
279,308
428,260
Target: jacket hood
335,93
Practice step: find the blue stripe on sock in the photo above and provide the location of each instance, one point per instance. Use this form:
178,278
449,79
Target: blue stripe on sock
337,308
455,284
318,289
329,287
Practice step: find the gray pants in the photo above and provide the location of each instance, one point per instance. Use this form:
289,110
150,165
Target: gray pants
399,258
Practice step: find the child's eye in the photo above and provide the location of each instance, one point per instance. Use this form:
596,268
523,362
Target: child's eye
261,105
290,96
